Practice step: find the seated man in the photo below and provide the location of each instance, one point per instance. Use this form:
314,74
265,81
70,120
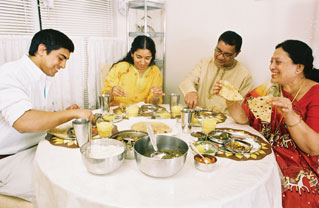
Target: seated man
24,85
197,86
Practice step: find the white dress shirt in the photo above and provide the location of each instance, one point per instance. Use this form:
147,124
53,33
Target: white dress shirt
23,86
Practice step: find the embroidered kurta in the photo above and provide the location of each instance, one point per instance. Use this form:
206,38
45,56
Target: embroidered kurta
138,89
206,73
299,169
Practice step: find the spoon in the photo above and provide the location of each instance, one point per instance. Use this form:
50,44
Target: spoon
206,160
156,154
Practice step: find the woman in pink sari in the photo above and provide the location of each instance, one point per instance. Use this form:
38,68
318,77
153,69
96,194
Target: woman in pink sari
293,131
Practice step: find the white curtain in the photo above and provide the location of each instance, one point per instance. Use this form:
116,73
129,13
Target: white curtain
12,47
68,84
101,51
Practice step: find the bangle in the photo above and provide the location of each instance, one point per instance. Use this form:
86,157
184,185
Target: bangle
295,123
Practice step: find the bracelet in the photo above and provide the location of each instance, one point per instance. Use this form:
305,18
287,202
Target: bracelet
295,123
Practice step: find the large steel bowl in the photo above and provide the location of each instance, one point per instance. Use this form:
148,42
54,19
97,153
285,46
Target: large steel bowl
106,162
160,167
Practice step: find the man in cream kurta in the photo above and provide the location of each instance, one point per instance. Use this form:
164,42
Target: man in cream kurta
197,87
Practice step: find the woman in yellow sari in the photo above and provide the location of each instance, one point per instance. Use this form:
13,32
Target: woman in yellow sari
135,78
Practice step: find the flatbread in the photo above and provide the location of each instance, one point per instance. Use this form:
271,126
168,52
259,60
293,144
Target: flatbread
229,92
61,132
260,107
158,127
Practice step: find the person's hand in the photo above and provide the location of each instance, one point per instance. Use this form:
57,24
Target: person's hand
73,106
191,99
217,87
283,104
118,91
85,113
157,92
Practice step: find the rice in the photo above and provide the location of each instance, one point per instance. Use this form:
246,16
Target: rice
104,151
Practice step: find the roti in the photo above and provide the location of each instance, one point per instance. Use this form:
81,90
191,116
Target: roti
260,107
61,132
229,92
158,127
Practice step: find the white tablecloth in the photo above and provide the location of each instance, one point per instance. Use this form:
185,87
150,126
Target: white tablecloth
62,181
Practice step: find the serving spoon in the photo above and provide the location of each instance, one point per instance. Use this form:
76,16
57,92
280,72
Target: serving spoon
206,160
156,154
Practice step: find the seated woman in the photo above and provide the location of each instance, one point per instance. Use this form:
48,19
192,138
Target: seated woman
293,131
135,78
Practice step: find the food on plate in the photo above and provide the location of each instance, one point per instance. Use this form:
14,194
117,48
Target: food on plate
238,146
261,108
158,127
229,92
205,147
61,132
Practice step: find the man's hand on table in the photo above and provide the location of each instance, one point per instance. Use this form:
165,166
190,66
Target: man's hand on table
191,99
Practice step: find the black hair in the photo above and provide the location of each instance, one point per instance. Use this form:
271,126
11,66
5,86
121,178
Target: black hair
300,53
52,39
140,42
231,38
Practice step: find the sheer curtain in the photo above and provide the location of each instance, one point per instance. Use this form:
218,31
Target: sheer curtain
12,47
101,51
68,85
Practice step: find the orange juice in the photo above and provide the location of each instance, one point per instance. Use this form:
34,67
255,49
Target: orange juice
208,124
176,110
104,129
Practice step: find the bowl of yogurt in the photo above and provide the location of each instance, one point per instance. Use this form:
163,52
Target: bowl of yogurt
103,156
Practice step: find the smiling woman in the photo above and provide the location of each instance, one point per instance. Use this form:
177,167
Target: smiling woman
135,78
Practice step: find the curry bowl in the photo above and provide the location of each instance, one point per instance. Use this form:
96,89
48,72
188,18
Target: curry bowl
174,148
201,165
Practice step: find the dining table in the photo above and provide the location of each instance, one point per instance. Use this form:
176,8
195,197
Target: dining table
62,180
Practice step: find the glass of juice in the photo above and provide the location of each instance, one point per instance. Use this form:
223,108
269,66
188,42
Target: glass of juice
104,129
208,124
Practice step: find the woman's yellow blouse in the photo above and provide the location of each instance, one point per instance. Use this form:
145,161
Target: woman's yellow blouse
138,89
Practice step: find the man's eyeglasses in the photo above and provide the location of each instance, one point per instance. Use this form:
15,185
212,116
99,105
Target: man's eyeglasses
225,54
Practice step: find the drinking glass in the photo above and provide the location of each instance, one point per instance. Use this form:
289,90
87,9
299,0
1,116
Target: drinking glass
208,124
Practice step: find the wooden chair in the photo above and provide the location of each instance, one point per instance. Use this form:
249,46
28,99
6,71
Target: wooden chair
14,202
104,70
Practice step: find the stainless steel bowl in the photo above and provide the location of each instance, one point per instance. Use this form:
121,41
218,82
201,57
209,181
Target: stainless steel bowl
129,137
103,162
160,167
203,166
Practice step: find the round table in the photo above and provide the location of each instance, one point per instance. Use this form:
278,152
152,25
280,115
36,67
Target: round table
61,180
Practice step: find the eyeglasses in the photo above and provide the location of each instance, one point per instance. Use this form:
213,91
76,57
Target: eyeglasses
225,54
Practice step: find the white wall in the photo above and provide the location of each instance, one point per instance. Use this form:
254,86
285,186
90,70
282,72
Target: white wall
193,27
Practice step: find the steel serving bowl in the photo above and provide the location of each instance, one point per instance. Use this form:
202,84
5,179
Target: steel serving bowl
160,167
129,137
200,165
103,156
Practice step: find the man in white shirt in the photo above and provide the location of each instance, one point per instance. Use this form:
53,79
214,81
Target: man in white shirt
24,120
197,87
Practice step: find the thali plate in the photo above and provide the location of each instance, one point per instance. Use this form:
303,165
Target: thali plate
235,141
